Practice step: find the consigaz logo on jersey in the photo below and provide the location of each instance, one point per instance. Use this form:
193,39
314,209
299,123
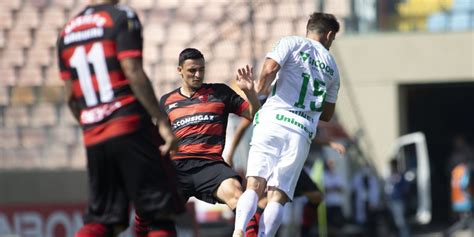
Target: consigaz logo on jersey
195,119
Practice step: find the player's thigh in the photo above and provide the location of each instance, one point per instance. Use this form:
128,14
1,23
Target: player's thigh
265,148
292,157
108,200
209,178
149,178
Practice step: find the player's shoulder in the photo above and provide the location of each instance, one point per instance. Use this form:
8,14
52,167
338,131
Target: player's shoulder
126,10
170,96
293,39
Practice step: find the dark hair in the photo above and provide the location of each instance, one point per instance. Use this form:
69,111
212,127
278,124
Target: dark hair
189,53
322,23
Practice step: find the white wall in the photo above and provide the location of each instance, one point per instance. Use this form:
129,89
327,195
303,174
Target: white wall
372,67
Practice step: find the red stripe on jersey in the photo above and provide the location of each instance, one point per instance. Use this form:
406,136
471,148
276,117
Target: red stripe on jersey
65,75
129,54
175,97
112,128
242,108
99,19
117,79
108,45
209,107
208,129
201,148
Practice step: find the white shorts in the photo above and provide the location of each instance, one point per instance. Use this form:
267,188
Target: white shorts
277,154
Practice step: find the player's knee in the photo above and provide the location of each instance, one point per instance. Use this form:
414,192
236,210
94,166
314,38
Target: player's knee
257,184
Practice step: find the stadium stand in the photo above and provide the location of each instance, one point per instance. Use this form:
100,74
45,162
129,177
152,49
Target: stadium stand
31,94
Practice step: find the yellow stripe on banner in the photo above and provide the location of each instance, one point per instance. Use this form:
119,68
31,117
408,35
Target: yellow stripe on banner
317,176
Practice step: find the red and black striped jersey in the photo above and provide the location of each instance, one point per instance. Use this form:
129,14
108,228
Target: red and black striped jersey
90,48
200,121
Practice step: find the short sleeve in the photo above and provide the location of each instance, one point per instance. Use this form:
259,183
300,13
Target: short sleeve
281,50
65,74
129,37
235,103
333,87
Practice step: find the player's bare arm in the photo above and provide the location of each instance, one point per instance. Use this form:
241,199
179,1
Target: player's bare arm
328,111
267,75
71,101
239,132
245,82
143,90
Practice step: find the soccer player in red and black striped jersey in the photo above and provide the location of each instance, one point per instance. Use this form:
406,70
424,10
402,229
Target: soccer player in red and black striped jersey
100,59
198,115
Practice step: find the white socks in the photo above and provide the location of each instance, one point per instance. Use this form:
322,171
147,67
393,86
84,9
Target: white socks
270,220
246,208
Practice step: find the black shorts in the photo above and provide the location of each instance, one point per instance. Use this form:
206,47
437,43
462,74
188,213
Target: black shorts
305,184
200,178
128,169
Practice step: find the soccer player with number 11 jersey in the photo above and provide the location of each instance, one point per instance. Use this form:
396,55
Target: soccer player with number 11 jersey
100,59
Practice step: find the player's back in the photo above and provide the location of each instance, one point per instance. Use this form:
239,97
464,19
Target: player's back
90,48
307,71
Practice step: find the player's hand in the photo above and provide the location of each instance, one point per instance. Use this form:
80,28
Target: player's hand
338,147
170,146
244,78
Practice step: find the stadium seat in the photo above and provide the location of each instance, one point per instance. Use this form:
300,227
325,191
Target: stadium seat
28,18
8,76
23,95
30,75
51,94
20,37
150,52
65,116
218,71
46,36
40,56
4,97
10,137
13,57
21,158
180,32
264,11
78,157
9,5
16,116
212,12
65,4
288,10
43,114
167,5
3,39
63,135
32,137
142,4
54,157
53,17
52,76
225,50
155,34
280,28
6,19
